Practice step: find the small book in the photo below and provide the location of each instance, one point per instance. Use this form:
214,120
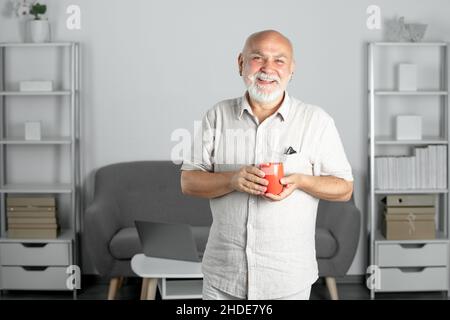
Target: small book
26,220
33,233
31,214
30,202
32,226
31,208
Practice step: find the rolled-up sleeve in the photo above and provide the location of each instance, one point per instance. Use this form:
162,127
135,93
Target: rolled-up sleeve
202,147
331,159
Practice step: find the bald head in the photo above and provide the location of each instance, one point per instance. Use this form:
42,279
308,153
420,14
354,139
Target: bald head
267,35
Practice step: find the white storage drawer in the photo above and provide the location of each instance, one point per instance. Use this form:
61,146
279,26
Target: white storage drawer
29,278
412,255
34,254
413,279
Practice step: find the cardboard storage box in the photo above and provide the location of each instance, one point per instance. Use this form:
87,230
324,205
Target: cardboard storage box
409,226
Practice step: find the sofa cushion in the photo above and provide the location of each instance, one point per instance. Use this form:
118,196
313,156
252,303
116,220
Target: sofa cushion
326,244
125,243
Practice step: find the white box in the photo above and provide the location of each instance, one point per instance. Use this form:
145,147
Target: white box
33,130
36,85
409,127
407,77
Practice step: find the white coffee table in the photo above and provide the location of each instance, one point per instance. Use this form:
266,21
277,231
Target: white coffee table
158,272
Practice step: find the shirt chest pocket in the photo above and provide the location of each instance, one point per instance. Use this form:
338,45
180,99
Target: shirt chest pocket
298,163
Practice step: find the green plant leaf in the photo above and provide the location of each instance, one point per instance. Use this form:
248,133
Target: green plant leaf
38,9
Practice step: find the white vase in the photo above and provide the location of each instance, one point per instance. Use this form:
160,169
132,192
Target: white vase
39,30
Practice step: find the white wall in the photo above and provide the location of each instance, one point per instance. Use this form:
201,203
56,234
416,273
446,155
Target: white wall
149,67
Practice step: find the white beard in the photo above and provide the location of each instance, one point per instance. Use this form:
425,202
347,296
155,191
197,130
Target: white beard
262,97
258,95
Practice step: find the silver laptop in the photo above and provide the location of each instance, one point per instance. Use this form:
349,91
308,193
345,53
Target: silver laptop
166,240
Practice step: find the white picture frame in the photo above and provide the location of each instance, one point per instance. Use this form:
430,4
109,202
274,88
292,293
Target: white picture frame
33,130
407,77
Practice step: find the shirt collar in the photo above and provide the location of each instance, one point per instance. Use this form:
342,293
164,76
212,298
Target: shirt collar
283,110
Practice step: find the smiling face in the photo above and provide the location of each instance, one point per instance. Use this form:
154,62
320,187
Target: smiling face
266,65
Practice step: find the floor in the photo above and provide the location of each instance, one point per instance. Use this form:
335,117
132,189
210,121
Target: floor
95,290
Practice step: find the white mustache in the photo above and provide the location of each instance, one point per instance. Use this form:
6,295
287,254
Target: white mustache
264,76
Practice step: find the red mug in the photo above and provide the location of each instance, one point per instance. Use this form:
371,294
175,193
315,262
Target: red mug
273,173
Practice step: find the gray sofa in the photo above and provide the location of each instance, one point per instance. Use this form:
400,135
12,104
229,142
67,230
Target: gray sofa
150,190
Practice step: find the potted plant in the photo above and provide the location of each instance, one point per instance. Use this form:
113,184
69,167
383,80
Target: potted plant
39,27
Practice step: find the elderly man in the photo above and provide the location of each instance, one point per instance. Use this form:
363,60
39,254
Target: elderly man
262,245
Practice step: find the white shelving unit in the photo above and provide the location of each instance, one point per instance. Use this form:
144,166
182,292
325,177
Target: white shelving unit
407,265
41,264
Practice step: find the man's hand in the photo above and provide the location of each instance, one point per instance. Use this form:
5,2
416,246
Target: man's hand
322,187
290,183
249,179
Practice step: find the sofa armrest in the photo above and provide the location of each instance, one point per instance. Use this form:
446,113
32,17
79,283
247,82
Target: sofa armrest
343,220
101,222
